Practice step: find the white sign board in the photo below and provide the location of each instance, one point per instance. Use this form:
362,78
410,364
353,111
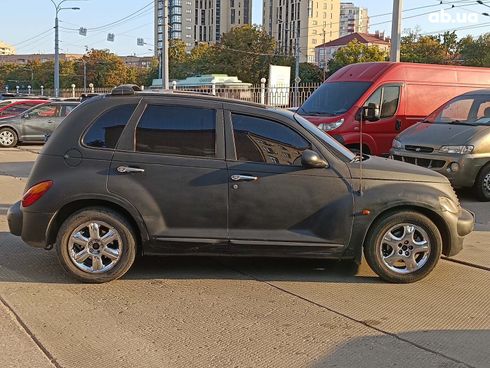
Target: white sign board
279,85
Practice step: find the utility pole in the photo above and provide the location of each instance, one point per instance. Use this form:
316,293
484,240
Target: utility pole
58,8
396,26
164,55
297,79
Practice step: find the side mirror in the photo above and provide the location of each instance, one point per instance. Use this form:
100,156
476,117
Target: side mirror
312,160
370,112
26,116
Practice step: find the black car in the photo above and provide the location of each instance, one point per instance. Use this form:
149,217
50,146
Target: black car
163,174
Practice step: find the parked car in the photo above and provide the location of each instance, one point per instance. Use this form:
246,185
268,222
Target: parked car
402,93
164,174
14,107
33,125
454,140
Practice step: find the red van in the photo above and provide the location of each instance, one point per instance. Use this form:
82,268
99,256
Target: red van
401,94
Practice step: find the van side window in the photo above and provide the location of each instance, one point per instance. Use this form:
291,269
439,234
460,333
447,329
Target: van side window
387,99
107,129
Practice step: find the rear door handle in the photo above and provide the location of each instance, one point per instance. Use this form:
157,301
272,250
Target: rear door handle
129,170
244,178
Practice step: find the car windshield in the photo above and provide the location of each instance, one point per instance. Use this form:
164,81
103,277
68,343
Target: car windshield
463,110
324,137
333,98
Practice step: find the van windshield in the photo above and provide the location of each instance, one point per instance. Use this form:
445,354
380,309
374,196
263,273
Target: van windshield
333,98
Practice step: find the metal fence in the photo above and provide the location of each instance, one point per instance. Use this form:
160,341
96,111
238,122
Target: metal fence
271,96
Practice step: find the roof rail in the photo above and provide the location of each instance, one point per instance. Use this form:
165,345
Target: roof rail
125,89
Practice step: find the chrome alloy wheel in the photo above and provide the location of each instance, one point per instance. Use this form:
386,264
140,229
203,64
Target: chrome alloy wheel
405,248
486,184
6,138
95,247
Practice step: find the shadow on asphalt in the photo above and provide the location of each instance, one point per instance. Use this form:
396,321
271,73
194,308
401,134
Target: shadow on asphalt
17,169
22,263
467,348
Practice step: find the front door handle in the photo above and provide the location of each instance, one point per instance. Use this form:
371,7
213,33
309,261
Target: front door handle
398,125
129,170
243,178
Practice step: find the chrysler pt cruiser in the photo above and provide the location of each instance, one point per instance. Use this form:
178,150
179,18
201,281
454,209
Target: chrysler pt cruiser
135,173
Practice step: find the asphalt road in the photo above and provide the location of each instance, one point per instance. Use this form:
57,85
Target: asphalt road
211,312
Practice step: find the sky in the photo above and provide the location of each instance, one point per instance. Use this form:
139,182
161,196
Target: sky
27,24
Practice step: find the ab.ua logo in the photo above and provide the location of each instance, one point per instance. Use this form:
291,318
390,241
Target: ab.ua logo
444,17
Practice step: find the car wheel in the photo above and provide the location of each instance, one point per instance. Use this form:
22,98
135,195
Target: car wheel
482,184
8,137
403,247
96,245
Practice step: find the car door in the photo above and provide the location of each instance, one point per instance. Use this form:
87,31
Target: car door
172,169
38,122
273,198
387,123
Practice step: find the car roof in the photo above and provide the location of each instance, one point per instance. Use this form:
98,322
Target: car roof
189,95
483,92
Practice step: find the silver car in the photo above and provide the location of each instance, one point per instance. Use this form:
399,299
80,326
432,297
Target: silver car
454,141
35,124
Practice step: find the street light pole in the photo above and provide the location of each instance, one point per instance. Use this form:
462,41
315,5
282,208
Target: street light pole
58,8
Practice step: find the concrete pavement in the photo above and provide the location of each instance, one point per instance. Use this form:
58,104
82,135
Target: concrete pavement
211,312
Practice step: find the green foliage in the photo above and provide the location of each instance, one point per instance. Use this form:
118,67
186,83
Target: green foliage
355,52
475,52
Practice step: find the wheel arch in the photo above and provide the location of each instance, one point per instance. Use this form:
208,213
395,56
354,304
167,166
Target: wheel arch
71,207
12,127
431,214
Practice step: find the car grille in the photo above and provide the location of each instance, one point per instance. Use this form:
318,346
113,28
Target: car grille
419,149
424,162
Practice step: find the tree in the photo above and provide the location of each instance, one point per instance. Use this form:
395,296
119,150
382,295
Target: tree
355,52
245,51
105,68
425,49
475,52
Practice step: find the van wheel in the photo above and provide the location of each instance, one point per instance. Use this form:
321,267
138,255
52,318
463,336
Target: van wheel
8,138
96,245
403,247
482,184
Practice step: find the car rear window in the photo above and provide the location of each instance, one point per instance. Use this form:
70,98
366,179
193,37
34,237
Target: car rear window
177,130
107,129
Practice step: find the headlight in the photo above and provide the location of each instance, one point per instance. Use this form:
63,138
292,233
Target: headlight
397,144
456,149
331,126
448,205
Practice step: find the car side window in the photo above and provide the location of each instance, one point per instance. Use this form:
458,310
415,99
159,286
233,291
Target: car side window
266,141
386,98
107,129
177,130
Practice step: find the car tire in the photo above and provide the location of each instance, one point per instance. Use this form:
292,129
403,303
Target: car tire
96,245
403,247
482,184
8,138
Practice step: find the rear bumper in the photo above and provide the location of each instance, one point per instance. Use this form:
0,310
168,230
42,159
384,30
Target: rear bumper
31,226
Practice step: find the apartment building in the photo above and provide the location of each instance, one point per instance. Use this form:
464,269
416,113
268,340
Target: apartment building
353,19
196,21
306,23
6,49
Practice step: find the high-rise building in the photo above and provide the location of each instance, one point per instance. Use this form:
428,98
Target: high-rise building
195,21
353,19
6,49
306,22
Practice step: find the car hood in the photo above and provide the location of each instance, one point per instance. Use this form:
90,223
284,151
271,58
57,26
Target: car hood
378,168
438,135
